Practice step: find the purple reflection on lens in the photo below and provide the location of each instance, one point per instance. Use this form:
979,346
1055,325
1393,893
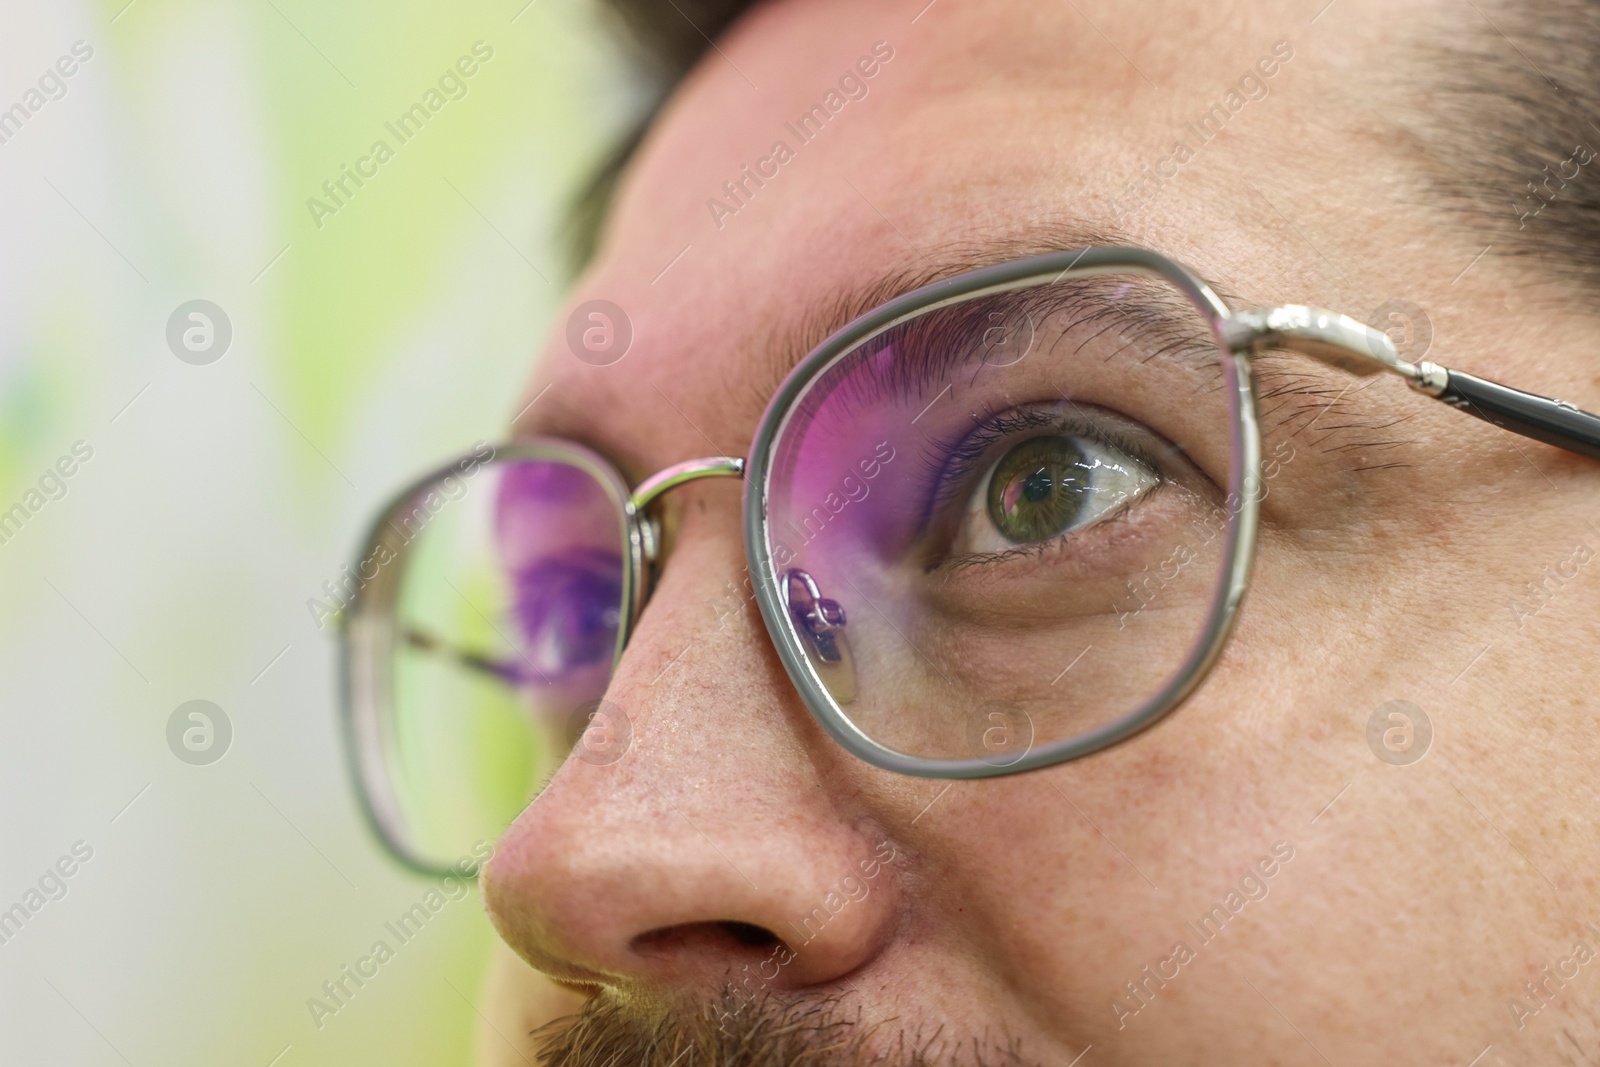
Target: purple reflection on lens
568,608
533,482
559,538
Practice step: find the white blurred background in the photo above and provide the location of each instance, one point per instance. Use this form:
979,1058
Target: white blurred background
175,564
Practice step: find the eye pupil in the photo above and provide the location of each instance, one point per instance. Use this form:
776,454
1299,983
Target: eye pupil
1037,486
1038,489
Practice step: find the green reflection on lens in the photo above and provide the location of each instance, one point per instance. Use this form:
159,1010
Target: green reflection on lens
466,751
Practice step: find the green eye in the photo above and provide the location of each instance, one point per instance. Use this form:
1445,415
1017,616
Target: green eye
1047,486
1040,489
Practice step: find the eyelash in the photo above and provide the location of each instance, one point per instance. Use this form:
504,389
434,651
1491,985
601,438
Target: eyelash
963,462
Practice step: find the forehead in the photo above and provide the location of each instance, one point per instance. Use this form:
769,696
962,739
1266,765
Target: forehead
828,154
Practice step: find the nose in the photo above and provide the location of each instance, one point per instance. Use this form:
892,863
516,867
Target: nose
721,850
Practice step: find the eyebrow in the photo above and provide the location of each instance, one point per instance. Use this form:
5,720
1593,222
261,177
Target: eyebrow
1294,393
823,318
824,315
1146,316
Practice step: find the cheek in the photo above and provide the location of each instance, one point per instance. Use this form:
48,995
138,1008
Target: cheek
1045,902
1102,864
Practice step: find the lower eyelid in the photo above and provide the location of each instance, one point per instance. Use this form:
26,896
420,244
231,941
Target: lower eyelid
1119,514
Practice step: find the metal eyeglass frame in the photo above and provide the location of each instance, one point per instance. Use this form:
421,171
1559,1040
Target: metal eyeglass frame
1326,336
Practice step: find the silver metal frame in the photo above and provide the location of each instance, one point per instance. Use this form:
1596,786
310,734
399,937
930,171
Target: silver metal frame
1327,336
1238,551
367,629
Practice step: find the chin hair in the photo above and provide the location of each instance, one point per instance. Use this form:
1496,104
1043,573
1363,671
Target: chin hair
764,1032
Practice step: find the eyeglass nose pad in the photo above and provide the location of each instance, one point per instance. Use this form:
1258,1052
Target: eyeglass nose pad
821,622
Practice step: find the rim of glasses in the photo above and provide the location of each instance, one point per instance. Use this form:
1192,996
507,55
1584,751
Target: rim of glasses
367,631
1244,462
370,617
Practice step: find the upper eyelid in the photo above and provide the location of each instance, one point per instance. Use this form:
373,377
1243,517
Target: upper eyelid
952,485
951,465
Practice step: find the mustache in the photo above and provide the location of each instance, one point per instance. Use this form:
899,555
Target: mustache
755,1033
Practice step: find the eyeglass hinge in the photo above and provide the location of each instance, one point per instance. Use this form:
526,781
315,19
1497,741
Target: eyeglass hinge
1327,336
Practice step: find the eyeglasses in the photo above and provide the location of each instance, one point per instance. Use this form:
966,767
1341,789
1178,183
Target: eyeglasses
1003,521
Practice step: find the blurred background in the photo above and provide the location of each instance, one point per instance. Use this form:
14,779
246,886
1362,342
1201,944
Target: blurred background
212,371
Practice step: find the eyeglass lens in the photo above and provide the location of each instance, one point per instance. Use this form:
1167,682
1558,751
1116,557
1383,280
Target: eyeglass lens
1001,524
506,622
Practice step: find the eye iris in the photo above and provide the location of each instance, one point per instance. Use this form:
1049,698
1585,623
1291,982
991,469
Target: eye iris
1039,489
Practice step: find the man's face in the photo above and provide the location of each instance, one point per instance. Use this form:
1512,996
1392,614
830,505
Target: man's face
1251,881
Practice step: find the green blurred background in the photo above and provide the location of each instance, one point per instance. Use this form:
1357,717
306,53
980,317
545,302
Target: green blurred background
176,563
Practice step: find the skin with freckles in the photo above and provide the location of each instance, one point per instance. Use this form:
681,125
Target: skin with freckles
1375,913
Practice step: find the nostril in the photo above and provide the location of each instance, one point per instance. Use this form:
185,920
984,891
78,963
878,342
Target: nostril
750,935
706,939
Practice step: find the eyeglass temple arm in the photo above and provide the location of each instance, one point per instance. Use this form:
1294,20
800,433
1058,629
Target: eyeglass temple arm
505,670
1353,346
